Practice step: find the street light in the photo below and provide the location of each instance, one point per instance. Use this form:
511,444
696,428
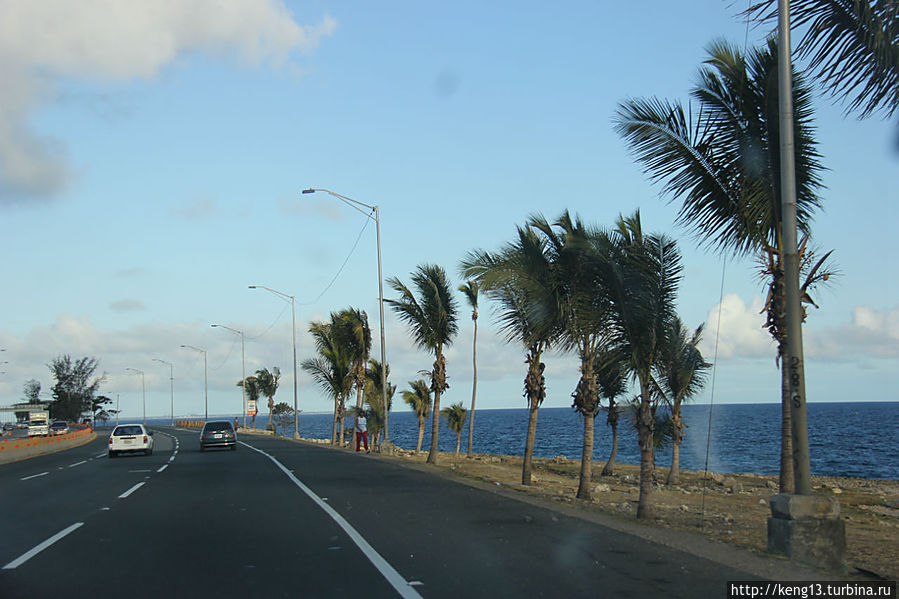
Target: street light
143,389
355,204
171,384
243,368
293,316
205,379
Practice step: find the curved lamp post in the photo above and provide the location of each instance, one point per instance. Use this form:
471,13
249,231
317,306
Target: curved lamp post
293,316
205,378
374,214
243,368
143,388
171,384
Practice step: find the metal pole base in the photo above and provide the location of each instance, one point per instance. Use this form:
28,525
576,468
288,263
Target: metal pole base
808,529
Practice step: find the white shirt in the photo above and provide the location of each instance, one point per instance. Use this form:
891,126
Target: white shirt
361,425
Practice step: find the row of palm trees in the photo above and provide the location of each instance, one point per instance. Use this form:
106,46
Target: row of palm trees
264,383
608,295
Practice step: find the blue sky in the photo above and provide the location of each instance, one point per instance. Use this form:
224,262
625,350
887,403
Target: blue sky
151,162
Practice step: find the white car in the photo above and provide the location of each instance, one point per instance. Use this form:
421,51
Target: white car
127,438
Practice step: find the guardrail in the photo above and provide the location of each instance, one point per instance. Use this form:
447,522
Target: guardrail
14,448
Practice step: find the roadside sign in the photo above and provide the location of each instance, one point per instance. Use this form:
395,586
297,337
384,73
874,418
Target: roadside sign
251,407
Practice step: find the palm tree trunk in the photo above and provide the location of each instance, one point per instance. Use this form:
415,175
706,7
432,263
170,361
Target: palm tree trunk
609,468
529,444
474,385
421,433
271,406
583,487
435,429
674,472
786,482
334,424
645,425
458,442
438,384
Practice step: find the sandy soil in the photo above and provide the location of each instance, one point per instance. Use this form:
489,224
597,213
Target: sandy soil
732,508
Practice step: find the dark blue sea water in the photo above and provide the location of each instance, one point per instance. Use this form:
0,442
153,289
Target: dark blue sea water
845,439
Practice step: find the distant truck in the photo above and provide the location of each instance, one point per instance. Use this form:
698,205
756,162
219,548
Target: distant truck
39,423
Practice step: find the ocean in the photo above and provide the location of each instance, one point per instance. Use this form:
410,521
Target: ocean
859,439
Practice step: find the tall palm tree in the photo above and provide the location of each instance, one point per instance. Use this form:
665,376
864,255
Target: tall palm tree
354,335
681,374
252,392
330,369
723,164
641,274
455,421
374,398
852,47
470,291
611,374
418,397
584,317
267,383
432,318
518,277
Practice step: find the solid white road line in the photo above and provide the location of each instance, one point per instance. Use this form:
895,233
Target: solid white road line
30,554
35,476
132,490
77,463
164,466
387,571
100,455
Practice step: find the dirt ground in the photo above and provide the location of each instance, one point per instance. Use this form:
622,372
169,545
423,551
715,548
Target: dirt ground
732,507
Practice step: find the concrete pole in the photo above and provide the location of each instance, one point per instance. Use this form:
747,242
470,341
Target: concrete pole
794,359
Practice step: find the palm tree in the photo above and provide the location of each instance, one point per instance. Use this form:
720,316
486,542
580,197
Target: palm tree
611,374
519,278
432,320
724,164
267,383
852,47
330,369
470,291
418,397
641,273
354,336
681,374
584,317
813,272
455,420
374,398
251,389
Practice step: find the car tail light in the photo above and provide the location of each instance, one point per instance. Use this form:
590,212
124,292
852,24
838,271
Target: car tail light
203,438
110,440
145,438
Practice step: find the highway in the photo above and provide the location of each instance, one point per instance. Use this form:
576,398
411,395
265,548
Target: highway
282,519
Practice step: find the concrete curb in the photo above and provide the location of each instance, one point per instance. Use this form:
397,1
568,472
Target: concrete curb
32,449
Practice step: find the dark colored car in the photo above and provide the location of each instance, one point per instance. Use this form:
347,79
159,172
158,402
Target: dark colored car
59,427
218,433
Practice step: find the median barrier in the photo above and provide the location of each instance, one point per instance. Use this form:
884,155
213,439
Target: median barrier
15,449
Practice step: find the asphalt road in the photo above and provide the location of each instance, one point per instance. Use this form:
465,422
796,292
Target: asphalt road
282,519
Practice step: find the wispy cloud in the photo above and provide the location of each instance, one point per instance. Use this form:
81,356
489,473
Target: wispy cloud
134,271
41,42
127,305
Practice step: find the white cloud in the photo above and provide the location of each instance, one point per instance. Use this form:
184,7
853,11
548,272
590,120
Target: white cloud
118,40
741,334
871,332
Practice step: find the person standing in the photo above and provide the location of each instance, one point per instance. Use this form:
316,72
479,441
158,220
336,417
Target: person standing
361,432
